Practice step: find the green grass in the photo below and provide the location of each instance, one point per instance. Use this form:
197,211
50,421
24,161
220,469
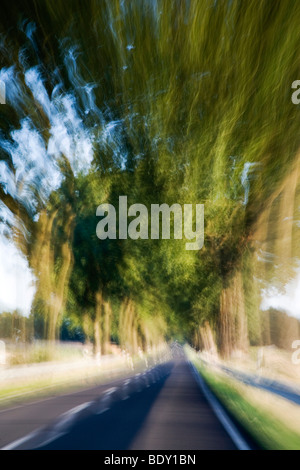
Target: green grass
268,431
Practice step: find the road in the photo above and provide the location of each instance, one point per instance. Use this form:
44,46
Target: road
169,412
18,421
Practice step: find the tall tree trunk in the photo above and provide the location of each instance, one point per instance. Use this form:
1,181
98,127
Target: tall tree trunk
106,327
207,339
87,327
60,283
42,262
97,324
233,320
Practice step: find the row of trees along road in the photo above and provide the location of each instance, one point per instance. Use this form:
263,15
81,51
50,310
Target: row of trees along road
186,102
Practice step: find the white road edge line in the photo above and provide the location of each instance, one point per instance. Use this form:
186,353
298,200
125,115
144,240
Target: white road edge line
220,412
40,400
64,419
20,441
68,417
51,439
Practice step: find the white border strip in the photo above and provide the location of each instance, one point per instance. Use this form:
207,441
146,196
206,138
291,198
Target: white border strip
220,412
13,445
59,428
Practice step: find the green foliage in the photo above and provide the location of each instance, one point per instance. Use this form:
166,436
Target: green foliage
187,96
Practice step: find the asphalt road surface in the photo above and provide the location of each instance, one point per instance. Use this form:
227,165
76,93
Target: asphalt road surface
20,420
170,413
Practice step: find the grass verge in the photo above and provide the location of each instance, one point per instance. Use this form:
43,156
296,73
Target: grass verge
267,429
